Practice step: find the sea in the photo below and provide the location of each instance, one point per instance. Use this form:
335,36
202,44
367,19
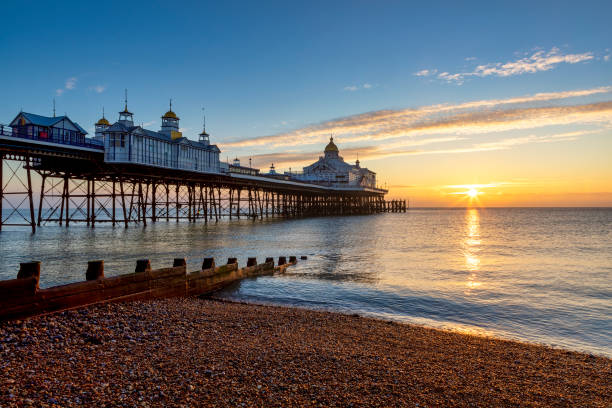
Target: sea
538,275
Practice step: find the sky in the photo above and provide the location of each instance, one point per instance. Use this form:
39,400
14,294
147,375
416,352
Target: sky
512,101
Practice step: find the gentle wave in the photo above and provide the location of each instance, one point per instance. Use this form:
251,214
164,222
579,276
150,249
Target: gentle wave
537,275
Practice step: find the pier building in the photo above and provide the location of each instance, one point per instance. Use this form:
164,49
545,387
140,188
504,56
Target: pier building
125,142
45,129
331,169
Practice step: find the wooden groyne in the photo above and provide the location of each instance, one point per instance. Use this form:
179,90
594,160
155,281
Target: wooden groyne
22,297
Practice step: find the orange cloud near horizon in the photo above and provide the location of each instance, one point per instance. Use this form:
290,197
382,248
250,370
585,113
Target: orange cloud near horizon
559,142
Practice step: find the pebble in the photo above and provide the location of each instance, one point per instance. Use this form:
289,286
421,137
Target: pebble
197,352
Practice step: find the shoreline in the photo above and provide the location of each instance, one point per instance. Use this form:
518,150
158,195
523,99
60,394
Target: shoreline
189,351
477,333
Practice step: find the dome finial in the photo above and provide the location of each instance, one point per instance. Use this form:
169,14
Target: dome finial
331,146
170,114
103,121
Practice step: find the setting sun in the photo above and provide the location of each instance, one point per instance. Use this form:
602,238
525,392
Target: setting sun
472,192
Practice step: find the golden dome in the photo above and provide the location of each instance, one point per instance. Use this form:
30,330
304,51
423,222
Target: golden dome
170,115
102,121
331,146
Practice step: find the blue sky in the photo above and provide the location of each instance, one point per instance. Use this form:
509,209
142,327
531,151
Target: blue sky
277,68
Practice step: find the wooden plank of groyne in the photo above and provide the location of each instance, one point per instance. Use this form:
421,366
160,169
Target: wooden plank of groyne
23,299
16,288
81,293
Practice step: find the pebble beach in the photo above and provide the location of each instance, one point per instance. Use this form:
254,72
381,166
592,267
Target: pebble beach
200,352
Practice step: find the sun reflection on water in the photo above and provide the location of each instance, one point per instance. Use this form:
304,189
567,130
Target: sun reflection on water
471,248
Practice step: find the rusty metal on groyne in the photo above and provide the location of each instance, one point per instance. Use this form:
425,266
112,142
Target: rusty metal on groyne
22,297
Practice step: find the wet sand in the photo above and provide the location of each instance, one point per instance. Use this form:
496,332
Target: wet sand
194,352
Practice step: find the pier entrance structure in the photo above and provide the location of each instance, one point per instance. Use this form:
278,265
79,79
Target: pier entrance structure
51,172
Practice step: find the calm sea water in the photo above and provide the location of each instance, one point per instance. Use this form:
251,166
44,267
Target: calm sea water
537,275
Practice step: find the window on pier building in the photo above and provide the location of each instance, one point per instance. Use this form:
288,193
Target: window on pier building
117,140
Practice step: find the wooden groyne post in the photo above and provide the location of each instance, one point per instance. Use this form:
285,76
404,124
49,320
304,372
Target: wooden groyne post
22,297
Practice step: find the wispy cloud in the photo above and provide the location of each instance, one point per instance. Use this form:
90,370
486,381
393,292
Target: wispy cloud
69,85
477,117
469,127
488,185
386,151
538,61
426,72
98,88
488,146
281,159
353,88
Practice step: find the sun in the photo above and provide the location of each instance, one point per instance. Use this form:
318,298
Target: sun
472,193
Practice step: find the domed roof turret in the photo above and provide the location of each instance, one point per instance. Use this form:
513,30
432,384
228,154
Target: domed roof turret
102,122
331,146
169,115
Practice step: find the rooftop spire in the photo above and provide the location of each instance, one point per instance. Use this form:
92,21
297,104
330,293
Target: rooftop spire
204,137
126,116
53,107
203,120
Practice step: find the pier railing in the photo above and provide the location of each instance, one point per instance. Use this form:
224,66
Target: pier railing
51,138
